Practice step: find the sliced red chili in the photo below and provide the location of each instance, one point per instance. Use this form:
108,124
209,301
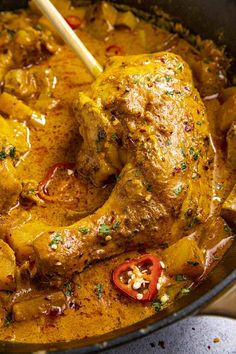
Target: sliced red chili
137,278
73,21
59,185
113,50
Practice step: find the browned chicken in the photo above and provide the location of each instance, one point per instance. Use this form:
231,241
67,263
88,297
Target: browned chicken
143,122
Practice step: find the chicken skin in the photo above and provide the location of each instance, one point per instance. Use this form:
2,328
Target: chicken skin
143,122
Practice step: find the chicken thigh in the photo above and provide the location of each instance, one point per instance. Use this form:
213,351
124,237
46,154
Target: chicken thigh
144,123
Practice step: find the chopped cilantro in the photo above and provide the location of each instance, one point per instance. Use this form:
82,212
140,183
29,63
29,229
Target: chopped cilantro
183,166
177,190
31,191
7,319
191,150
116,225
56,239
3,155
168,78
180,277
12,152
84,230
164,245
183,152
193,263
68,289
104,229
149,188
185,291
38,27
169,93
179,66
99,290
159,305
114,137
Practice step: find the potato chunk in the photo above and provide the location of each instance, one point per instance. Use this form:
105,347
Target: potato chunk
185,257
7,267
10,187
21,239
29,309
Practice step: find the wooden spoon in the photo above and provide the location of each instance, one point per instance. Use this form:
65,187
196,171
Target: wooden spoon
68,35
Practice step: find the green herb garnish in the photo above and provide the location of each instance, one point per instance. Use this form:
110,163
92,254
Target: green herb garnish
185,291
104,229
179,66
68,289
84,230
177,190
183,166
193,263
56,239
99,291
168,78
180,277
7,319
116,225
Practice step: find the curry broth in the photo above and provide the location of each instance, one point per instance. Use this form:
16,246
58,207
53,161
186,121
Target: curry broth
93,310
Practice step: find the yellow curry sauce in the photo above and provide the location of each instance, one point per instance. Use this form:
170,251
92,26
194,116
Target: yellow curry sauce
88,304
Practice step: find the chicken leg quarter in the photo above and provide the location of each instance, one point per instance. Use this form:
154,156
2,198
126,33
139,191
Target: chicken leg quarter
145,123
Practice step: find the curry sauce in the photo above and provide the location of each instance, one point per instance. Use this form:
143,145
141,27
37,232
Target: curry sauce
51,193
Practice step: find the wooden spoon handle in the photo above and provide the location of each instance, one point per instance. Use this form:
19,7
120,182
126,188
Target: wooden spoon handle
68,35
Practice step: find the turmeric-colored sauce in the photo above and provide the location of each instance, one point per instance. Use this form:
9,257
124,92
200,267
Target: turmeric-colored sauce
48,81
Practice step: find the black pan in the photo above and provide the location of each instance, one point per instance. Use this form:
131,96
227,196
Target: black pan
212,19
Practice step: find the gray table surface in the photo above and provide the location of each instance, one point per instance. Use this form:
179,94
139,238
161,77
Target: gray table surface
193,335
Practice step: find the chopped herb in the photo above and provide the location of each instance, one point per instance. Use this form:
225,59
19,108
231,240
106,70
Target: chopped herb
206,61
195,156
198,123
227,228
7,319
177,190
170,93
168,78
183,152
180,277
99,290
68,289
193,263
168,142
31,191
104,229
12,152
116,225
10,33
38,27
55,241
179,66
193,153
191,150
164,245
114,137
183,166
84,230
159,305
194,221
3,155
185,291
149,188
